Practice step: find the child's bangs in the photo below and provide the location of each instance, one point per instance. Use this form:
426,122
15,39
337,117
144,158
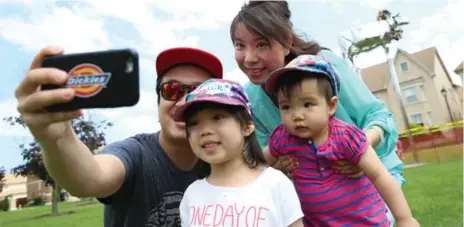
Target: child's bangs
237,111
291,80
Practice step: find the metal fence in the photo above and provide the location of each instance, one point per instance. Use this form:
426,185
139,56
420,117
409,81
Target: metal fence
434,144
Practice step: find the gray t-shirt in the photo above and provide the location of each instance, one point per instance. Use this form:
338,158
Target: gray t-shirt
153,187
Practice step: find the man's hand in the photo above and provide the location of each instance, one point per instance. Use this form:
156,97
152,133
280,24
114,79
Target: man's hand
345,168
32,102
286,164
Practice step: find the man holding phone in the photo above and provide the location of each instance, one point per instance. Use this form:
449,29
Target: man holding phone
141,179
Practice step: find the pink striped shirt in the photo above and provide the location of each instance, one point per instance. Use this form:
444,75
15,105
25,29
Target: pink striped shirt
327,198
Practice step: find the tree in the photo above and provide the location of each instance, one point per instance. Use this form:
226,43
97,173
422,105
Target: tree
2,175
91,133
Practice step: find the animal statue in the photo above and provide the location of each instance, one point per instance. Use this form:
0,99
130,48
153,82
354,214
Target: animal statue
370,36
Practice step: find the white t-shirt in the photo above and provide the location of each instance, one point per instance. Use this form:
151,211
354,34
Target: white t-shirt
270,200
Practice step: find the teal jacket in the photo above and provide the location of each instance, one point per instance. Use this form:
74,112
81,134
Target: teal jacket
357,106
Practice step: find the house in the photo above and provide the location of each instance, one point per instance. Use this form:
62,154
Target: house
424,82
21,190
37,187
15,188
459,89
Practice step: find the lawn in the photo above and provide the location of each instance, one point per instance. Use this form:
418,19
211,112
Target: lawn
434,193
85,215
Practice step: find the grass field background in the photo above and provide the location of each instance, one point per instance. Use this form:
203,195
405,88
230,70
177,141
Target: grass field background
84,215
434,192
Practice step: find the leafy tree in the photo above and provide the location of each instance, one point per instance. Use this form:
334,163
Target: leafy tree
91,133
2,176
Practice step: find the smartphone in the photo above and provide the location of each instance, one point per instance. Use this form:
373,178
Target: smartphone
103,79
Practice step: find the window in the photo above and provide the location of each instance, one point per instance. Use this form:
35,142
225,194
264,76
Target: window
416,119
422,93
410,95
429,118
404,67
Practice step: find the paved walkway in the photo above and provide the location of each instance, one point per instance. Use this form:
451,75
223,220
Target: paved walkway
414,165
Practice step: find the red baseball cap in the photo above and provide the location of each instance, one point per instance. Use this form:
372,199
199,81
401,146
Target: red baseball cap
179,55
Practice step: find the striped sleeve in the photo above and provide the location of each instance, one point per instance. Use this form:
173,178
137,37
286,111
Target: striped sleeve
355,144
275,142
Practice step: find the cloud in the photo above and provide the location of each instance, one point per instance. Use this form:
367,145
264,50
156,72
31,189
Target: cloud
444,31
157,34
377,4
371,58
339,6
79,27
336,6
58,25
201,14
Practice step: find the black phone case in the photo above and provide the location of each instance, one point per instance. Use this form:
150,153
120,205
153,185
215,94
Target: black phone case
104,79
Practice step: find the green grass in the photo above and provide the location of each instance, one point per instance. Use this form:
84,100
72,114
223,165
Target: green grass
85,215
434,193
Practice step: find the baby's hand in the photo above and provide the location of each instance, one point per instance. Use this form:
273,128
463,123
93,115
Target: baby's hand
407,222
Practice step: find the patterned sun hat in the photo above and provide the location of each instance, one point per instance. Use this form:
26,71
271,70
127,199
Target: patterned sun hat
305,63
219,91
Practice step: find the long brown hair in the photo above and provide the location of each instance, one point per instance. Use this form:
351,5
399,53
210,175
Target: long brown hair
271,20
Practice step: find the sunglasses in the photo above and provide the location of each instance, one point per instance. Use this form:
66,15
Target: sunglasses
173,90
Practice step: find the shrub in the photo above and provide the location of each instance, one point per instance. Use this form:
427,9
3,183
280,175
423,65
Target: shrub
5,204
38,201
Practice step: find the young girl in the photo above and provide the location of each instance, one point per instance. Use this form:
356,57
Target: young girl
307,90
240,190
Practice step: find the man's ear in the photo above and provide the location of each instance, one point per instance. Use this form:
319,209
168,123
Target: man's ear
249,129
333,105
